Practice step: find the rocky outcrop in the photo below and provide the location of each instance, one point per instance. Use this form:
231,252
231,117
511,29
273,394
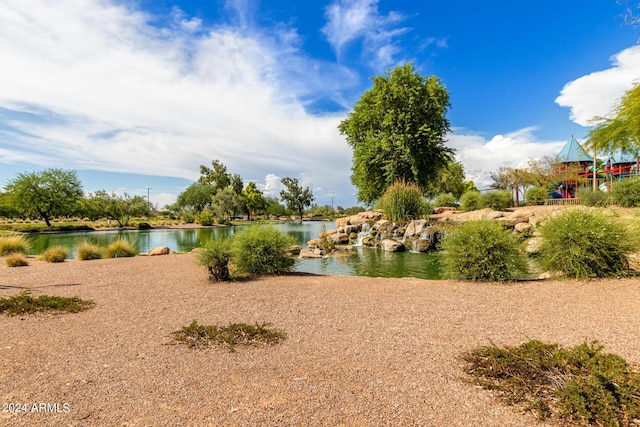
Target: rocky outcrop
368,217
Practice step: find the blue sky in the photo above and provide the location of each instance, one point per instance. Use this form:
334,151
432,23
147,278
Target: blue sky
137,94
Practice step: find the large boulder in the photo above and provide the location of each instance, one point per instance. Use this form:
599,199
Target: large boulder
306,253
391,245
339,238
160,250
421,245
415,228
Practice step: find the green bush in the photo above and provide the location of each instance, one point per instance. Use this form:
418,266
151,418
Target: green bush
626,192
120,249
403,201
262,249
55,254
16,259
536,196
188,217
498,200
580,385
588,197
471,201
215,256
445,200
482,250
144,226
206,218
583,244
14,244
88,251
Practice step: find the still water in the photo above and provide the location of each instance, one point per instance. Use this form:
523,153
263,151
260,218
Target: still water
362,261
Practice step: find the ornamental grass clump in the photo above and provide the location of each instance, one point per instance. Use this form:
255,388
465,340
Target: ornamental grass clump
580,385
88,251
262,250
14,244
215,257
55,254
585,243
403,201
482,251
120,249
471,201
16,260
626,192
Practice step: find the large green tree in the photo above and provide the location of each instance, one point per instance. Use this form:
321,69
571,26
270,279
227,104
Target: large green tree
45,194
295,197
252,199
622,130
397,132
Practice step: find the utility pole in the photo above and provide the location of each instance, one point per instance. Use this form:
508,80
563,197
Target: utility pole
332,200
148,203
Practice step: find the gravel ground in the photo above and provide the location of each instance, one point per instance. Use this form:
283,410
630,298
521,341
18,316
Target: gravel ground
360,351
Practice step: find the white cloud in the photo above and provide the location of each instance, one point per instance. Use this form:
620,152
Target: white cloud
596,94
481,156
350,20
95,85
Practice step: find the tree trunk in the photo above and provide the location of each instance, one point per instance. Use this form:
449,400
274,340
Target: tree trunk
219,271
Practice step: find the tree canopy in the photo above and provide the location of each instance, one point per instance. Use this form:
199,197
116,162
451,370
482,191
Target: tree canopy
397,132
622,131
45,194
295,196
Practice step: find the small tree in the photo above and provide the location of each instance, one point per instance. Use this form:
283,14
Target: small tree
252,198
536,196
46,194
115,207
294,196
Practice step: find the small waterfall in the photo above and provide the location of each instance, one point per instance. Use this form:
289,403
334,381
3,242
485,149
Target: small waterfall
432,235
362,234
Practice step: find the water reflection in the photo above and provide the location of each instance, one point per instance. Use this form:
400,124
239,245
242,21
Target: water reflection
359,262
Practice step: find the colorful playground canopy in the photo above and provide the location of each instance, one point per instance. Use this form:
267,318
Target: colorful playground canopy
573,152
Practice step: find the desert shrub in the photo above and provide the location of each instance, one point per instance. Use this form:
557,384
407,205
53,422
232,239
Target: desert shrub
120,249
444,199
144,226
262,249
482,250
206,218
14,244
536,196
197,336
588,197
498,200
403,201
626,192
16,259
471,201
188,217
88,251
26,303
583,244
580,385
215,256
55,254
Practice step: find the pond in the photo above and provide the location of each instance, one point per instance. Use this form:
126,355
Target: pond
362,261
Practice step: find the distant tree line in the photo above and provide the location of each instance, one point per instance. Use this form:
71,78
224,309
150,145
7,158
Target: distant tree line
216,196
